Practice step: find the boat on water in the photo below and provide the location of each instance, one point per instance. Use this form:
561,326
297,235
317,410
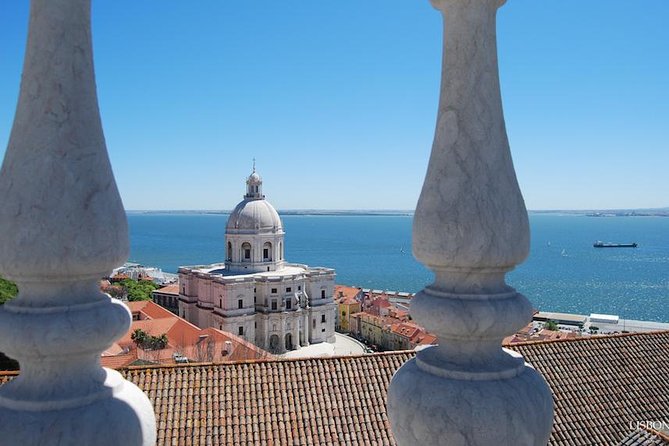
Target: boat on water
599,244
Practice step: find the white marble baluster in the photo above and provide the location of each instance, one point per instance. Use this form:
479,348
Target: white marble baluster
62,228
470,228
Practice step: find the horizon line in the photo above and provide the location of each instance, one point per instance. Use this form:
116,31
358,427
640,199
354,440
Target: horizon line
403,211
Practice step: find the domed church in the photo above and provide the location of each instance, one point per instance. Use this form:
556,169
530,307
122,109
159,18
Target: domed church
255,293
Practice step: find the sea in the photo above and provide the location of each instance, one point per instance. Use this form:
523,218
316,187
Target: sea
563,272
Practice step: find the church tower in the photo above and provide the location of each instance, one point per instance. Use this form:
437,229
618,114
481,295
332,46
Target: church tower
254,234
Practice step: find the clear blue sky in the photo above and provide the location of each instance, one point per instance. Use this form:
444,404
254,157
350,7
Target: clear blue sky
337,99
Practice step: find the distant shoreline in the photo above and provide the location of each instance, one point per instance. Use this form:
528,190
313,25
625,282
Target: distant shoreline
660,212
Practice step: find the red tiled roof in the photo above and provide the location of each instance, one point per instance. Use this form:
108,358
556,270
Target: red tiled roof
119,361
381,303
346,294
600,384
426,339
406,329
184,339
149,309
172,288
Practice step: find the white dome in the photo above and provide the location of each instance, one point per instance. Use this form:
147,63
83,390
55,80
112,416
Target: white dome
255,216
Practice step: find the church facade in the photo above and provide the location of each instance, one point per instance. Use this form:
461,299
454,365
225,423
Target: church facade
255,293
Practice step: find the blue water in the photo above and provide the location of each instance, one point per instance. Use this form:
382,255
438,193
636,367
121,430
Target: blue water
563,272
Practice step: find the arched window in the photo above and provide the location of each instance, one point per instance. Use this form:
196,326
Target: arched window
229,251
267,252
246,252
280,250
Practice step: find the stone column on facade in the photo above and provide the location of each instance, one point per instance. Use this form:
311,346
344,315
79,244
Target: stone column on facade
282,336
267,325
470,228
307,328
296,332
63,228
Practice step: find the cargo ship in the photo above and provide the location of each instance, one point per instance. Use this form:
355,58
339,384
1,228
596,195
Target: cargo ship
599,244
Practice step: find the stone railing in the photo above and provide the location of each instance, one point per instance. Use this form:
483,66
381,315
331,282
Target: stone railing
62,228
470,228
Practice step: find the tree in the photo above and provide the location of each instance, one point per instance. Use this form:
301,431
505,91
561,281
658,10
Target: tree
7,290
139,337
551,325
138,290
146,341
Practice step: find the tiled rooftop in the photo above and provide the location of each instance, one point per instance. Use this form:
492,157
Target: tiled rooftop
643,437
172,288
346,294
184,338
600,384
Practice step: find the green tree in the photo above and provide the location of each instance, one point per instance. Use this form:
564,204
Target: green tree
139,337
146,341
7,290
138,290
551,325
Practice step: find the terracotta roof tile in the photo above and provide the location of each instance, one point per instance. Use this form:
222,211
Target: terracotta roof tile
600,385
172,288
643,437
119,361
149,309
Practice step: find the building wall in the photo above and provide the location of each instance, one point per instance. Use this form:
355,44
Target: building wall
344,312
257,263
272,314
168,301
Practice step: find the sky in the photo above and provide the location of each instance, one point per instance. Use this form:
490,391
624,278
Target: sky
337,99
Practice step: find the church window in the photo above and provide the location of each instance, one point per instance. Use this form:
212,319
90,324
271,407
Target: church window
274,304
299,288
322,318
273,290
313,323
246,250
322,294
240,303
220,303
229,251
288,290
289,304
240,330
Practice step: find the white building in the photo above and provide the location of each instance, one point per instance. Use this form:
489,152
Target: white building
255,293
